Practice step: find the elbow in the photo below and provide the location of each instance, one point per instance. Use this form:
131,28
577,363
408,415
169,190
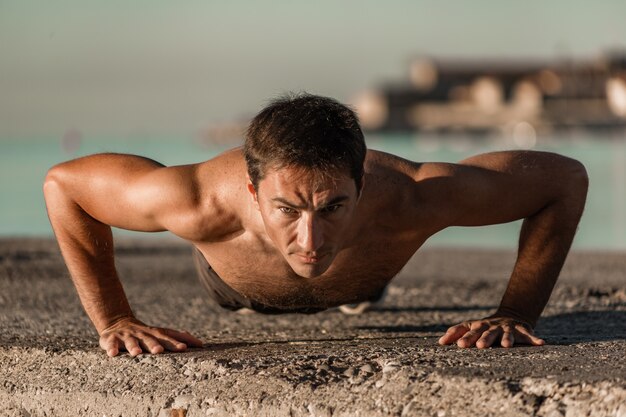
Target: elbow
53,183
579,178
576,184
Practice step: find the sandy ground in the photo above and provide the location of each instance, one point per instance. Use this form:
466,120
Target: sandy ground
384,362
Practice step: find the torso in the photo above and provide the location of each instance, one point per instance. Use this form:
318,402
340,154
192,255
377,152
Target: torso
386,233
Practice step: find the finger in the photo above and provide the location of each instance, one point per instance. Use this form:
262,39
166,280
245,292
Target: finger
168,342
488,337
172,345
185,337
479,326
150,344
111,345
131,345
470,338
453,334
507,338
525,336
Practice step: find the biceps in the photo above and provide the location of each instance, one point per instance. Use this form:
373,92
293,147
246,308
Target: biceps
493,198
507,186
107,188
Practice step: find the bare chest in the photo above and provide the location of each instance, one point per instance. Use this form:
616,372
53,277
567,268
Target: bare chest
358,273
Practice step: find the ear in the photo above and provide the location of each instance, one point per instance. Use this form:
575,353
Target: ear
360,190
252,192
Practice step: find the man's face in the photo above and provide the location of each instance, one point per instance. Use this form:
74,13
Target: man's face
306,217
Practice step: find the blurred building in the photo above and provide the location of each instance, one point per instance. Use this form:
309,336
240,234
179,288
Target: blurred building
518,98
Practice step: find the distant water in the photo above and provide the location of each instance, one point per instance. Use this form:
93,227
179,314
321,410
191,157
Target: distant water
24,162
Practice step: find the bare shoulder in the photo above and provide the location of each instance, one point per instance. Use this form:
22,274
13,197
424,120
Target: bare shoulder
489,188
389,191
217,197
193,201
196,202
382,166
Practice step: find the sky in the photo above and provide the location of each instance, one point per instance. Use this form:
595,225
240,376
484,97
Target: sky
171,68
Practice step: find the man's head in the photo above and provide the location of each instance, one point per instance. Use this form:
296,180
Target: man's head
305,156
306,131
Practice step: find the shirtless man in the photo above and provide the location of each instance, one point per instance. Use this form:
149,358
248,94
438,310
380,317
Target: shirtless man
304,218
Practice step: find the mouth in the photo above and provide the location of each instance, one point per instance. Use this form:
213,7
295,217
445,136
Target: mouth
310,259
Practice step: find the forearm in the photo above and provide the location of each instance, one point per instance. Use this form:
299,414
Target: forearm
87,248
93,272
544,243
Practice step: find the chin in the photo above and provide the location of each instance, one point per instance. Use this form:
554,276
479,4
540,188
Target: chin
309,270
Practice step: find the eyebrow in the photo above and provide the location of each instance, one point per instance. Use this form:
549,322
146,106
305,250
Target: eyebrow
332,202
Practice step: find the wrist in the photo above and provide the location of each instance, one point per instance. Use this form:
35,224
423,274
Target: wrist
512,313
114,321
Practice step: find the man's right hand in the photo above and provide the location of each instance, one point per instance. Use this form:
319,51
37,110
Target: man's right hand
135,337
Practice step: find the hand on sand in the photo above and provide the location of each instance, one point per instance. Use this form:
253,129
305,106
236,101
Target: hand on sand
484,333
135,337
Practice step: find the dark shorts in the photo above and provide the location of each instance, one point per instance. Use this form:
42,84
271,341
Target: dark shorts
230,299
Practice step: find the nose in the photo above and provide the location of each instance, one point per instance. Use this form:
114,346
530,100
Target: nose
310,234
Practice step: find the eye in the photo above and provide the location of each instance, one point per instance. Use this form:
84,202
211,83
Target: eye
331,209
287,210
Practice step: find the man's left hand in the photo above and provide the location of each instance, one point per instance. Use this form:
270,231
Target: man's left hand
489,331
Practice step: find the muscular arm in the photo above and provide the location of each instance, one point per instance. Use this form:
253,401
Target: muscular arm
87,196
548,191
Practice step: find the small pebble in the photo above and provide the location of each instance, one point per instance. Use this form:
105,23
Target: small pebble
148,359
389,368
349,372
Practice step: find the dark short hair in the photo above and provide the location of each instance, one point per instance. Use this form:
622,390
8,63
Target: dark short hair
305,131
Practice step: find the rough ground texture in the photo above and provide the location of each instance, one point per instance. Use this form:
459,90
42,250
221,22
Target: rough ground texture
384,362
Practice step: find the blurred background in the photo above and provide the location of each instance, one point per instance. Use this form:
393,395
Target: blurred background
431,81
